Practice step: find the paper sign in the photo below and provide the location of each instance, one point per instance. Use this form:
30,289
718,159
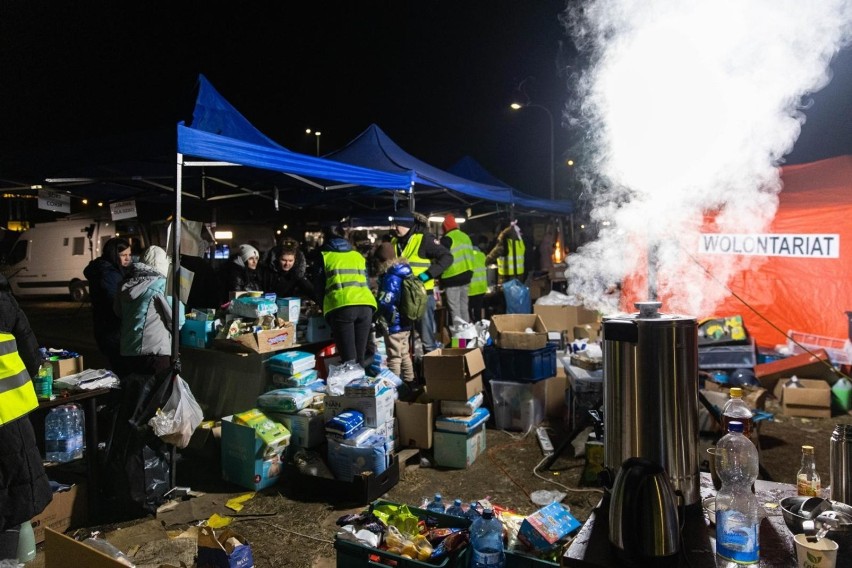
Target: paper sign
123,210
185,277
54,201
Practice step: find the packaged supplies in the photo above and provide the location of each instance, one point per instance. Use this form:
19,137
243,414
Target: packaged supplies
274,435
345,424
296,379
462,408
348,461
465,424
341,375
286,400
291,362
249,307
363,386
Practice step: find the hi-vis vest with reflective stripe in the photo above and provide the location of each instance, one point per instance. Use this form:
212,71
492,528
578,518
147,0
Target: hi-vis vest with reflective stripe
17,395
345,281
512,263
418,264
479,281
462,257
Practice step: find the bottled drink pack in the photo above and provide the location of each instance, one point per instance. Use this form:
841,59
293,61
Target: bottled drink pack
486,542
738,512
63,433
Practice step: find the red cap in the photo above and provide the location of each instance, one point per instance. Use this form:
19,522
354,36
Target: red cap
450,223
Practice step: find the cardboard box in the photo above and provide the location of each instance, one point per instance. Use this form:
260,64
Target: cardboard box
555,393
545,527
289,308
67,509
509,331
811,400
61,551
307,427
197,333
317,330
453,374
363,489
565,318
754,397
262,341
458,451
816,366
376,409
243,461
416,424
65,367
221,552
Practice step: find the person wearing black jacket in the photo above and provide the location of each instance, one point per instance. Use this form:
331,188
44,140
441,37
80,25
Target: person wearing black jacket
428,260
240,272
24,487
283,272
105,274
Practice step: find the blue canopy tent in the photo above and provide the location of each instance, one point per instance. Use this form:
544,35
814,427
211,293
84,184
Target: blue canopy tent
469,168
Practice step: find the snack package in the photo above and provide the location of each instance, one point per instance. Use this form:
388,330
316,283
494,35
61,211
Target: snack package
286,400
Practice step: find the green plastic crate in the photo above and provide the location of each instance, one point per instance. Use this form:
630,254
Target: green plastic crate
354,555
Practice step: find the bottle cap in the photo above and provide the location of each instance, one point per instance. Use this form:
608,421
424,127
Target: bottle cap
735,426
736,392
807,449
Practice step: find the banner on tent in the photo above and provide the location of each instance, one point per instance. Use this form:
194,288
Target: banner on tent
54,201
806,245
123,210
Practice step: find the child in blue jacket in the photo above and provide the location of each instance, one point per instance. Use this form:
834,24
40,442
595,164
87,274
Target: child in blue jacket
395,328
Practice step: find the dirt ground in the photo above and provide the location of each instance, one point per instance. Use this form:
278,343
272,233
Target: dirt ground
292,533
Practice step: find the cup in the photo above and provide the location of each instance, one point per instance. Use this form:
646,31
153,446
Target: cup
819,554
711,458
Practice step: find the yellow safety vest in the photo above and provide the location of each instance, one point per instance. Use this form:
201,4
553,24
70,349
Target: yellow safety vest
461,248
17,394
418,264
479,281
345,281
512,263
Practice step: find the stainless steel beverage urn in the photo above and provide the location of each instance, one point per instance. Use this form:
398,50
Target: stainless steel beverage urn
840,464
651,394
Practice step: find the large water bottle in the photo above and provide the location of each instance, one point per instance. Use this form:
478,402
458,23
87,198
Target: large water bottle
62,437
77,431
486,542
737,509
456,509
436,505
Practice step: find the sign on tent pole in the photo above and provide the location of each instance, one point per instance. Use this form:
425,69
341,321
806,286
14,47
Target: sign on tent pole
54,201
123,210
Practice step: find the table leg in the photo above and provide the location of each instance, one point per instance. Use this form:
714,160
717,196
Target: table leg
92,466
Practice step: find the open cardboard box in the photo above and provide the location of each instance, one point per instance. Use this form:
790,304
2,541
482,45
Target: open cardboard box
811,400
816,366
416,422
565,318
61,551
453,374
262,341
509,331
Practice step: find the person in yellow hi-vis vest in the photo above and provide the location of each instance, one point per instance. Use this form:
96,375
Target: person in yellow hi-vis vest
24,488
509,254
428,260
456,278
478,286
348,303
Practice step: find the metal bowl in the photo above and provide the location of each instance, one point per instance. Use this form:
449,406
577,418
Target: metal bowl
790,510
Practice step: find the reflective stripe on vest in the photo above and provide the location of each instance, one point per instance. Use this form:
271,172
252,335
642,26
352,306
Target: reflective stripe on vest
17,395
462,258
418,264
479,281
512,263
345,281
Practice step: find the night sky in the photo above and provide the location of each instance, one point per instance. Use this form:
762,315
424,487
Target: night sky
437,76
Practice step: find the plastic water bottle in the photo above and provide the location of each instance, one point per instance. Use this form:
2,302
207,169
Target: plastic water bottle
26,543
43,382
437,504
486,542
63,434
736,409
456,509
737,509
471,513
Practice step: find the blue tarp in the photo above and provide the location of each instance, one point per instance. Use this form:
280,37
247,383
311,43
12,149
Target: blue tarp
471,169
220,132
374,149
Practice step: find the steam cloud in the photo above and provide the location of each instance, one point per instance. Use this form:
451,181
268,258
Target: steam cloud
691,105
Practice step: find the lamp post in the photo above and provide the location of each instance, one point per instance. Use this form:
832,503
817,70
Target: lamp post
317,135
519,106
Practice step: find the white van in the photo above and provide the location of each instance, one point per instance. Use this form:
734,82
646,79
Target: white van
49,258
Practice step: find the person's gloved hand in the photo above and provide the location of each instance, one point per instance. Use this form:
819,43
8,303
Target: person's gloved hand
424,276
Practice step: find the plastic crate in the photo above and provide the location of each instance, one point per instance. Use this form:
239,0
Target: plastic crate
352,554
525,365
363,488
727,356
839,350
518,406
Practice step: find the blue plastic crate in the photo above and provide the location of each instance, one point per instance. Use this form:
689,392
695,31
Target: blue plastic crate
525,365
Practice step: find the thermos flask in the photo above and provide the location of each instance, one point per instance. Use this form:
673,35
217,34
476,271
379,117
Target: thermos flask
840,452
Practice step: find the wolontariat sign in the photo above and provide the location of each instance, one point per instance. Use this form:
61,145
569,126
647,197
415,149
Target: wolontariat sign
789,245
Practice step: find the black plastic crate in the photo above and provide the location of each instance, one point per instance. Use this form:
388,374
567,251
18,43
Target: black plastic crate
363,489
526,365
728,356
352,554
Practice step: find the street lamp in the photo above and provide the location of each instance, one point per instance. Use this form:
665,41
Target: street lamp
317,135
519,106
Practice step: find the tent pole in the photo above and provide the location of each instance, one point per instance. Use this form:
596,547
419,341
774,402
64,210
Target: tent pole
176,266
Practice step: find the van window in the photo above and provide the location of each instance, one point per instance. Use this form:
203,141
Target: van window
79,246
18,252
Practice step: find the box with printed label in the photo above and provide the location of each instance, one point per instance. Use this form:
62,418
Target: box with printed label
453,374
243,460
197,333
544,528
289,308
317,330
262,341
376,409
416,421
66,509
458,450
307,427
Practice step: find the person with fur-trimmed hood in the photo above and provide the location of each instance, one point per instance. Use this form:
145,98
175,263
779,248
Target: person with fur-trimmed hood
145,308
395,327
283,272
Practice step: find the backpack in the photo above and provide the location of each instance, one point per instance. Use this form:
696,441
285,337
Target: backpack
412,303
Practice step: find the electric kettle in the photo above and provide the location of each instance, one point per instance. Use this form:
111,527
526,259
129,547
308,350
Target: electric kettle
643,514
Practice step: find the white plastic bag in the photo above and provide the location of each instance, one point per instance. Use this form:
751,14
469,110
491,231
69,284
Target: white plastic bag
179,417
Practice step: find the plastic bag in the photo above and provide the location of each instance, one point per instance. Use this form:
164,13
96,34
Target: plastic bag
340,375
463,330
517,297
179,417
